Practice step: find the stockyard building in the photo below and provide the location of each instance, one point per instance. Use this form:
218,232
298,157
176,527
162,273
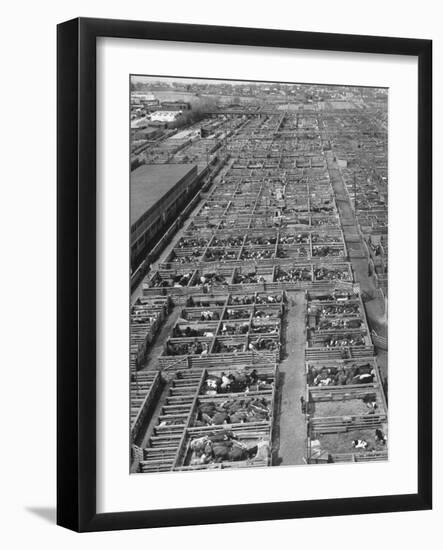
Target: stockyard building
158,194
258,334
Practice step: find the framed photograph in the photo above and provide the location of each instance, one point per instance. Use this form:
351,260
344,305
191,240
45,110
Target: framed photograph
244,310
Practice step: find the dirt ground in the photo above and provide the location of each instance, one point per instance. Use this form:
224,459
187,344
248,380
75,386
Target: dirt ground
342,442
349,407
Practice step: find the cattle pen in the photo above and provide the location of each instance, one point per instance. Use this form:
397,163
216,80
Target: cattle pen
251,340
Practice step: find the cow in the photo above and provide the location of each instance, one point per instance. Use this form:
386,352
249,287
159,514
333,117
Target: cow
380,437
359,444
363,379
221,450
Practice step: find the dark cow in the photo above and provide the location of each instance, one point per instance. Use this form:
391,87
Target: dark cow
380,437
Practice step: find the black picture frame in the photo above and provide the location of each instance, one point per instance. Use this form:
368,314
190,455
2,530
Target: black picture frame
76,265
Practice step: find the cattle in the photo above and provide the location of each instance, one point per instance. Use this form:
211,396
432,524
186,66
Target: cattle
321,376
359,444
363,379
380,437
220,451
220,448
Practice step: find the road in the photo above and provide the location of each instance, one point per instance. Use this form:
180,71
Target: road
290,422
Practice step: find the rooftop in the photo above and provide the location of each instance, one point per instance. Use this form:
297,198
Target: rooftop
150,182
139,122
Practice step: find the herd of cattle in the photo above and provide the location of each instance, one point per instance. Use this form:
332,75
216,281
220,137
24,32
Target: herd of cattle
345,405
267,227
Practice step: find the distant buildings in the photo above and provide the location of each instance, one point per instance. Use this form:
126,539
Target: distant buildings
165,116
143,101
139,123
175,105
137,98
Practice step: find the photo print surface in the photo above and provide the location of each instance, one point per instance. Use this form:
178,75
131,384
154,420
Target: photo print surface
258,274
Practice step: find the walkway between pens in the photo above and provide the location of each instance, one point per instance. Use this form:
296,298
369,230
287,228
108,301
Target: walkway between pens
357,255
375,307
290,425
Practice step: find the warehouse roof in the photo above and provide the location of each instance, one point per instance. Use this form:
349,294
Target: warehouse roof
151,182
